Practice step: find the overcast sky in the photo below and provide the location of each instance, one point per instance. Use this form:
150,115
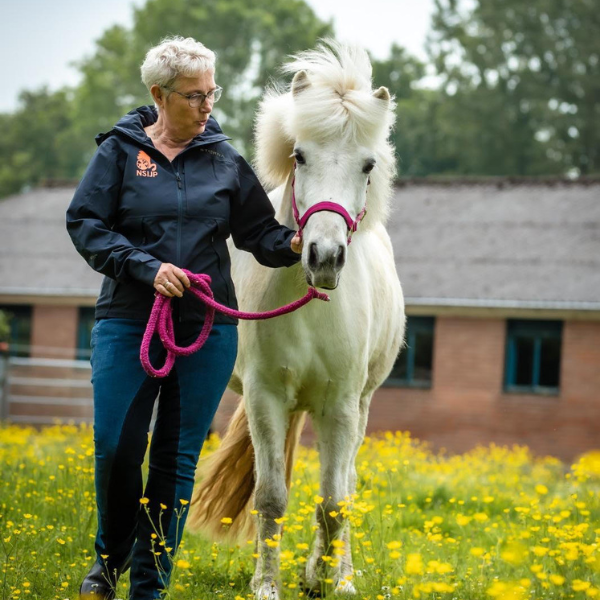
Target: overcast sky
40,39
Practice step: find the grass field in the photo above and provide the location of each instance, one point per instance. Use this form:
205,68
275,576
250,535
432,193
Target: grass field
493,523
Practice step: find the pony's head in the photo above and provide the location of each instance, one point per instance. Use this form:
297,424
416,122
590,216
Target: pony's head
328,136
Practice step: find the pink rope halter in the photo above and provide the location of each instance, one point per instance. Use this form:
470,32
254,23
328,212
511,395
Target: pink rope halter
161,320
330,206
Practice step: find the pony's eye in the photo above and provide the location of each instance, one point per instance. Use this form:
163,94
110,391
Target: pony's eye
369,167
299,157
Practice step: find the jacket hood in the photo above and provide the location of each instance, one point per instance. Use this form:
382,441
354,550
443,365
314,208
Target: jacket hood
133,123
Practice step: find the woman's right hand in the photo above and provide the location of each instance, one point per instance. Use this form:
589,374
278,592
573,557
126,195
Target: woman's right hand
171,281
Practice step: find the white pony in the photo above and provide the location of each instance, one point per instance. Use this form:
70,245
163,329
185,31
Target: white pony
329,135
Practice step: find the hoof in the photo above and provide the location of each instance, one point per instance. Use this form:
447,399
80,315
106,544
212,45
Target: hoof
267,591
345,587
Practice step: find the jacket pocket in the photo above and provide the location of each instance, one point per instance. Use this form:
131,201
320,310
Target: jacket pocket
158,237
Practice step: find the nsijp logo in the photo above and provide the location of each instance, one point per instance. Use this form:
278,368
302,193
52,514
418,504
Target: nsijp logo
146,168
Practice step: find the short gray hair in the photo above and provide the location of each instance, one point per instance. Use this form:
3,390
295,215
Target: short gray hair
173,57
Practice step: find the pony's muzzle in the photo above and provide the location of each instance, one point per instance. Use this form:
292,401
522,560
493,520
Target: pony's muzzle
324,264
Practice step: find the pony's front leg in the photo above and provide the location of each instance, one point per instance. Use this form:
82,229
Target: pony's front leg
346,566
268,421
336,432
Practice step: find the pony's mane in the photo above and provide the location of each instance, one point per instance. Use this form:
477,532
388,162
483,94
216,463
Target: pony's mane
338,103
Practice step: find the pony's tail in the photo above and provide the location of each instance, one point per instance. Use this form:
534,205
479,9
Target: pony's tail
227,480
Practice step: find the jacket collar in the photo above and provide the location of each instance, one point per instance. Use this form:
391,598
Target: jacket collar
133,123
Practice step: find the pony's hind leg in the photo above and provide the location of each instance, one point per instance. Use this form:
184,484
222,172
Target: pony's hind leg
268,420
337,442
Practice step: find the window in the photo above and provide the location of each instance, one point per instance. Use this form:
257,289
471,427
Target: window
84,332
19,320
533,350
414,363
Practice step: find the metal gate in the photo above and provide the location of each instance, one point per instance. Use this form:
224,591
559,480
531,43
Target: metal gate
45,390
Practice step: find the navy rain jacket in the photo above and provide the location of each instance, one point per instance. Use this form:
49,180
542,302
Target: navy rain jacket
134,210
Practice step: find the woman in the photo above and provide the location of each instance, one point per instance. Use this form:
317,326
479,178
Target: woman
163,192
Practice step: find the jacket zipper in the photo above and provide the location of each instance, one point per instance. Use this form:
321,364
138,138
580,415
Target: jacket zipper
179,223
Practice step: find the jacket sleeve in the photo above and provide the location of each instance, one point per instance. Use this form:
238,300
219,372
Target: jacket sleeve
253,224
91,217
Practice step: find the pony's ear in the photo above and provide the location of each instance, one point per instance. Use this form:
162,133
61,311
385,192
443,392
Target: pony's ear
300,82
382,94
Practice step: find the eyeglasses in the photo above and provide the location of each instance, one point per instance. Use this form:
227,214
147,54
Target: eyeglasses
196,100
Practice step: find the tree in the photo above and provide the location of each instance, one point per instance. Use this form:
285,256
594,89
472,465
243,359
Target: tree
415,136
531,73
36,142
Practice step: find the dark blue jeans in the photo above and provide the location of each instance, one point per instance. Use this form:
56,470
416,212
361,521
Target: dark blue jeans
124,398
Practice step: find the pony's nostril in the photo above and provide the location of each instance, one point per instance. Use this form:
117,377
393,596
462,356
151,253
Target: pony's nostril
313,256
340,258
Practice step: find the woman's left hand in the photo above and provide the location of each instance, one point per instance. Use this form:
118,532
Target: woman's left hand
296,244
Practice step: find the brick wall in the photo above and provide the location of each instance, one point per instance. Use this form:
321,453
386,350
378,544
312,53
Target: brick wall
580,373
466,405
54,331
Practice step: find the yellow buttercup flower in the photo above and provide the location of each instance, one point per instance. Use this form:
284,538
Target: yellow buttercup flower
579,586
414,564
462,520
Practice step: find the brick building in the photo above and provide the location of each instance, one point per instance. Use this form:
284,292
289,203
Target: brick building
502,286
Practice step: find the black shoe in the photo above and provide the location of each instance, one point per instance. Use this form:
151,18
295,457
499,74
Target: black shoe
99,584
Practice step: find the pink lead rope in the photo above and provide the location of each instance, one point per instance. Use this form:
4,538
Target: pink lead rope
161,320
